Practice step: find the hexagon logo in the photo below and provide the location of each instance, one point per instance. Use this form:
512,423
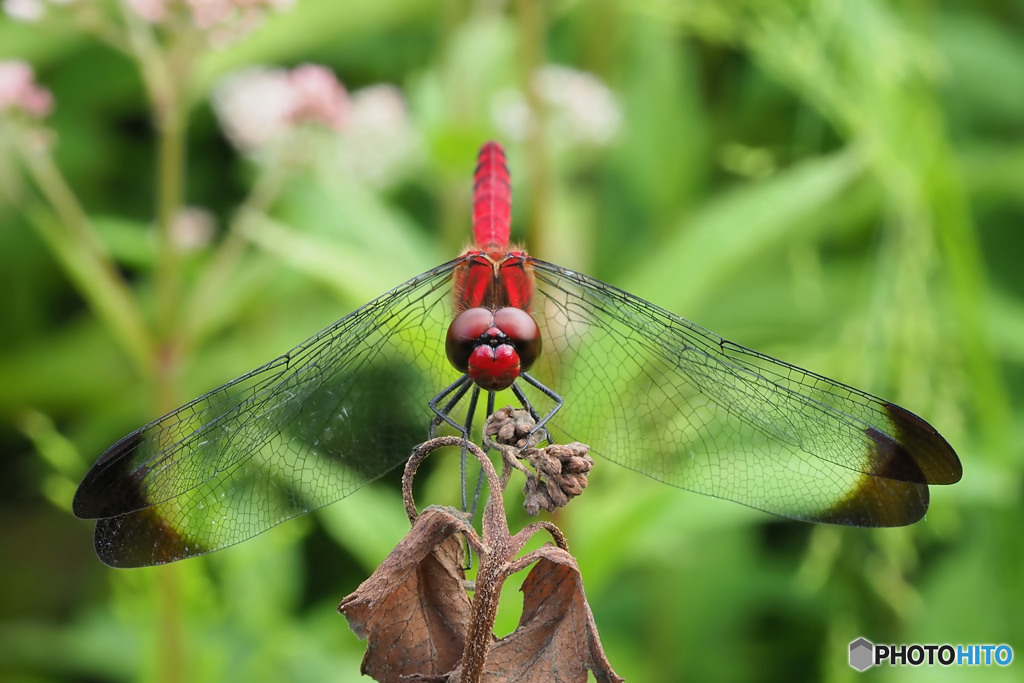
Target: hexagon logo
862,653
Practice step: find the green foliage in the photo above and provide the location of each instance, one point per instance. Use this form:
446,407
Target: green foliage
837,184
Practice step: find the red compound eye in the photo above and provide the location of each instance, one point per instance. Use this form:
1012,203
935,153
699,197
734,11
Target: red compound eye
464,333
520,327
494,347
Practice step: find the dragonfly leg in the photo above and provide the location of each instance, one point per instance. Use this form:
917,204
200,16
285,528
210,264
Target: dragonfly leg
462,456
544,390
480,476
456,390
527,406
455,393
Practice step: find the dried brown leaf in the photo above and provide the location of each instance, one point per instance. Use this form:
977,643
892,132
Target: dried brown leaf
414,610
556,640
420,624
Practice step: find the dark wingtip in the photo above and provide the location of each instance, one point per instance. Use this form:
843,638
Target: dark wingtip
112,485
919,441
903,463
891,460
141,539
879,502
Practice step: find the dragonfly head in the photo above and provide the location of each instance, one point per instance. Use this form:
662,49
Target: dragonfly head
493,347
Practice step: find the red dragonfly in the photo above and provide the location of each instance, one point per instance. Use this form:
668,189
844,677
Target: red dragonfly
642,386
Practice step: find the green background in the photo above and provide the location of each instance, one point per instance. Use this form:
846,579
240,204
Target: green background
839,184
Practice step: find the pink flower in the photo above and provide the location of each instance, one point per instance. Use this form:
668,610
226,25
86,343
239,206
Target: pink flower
153,11
192,229
318,97
221,21
264,109
18,90
257,107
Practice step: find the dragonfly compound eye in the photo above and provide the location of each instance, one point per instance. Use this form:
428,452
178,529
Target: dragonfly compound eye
520,327
493,347
464,333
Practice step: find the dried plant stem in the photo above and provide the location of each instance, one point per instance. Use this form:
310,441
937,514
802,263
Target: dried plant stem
497,551
428,447
489,579
491,574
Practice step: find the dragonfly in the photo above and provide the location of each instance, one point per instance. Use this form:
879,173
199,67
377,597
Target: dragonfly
642,386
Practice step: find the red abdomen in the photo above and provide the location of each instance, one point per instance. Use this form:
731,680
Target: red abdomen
492,199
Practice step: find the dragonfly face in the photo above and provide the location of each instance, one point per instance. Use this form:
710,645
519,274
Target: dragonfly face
643,387
493,347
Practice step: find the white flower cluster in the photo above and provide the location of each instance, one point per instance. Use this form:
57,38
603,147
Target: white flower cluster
380,139
207,13
579,108
221,21
261,108
29,10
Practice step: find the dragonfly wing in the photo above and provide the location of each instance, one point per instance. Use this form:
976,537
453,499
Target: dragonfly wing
655,393
302,431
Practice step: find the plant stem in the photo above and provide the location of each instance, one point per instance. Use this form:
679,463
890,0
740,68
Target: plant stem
531,22
198,314
67,230
170,118
489,580
170,121
165,72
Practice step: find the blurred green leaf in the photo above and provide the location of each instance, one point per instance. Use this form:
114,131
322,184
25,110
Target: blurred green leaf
729,233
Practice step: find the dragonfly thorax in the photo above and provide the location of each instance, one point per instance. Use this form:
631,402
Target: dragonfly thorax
493,347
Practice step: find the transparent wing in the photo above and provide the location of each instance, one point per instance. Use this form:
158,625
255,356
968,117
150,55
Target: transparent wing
304,430
657,394
644,387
